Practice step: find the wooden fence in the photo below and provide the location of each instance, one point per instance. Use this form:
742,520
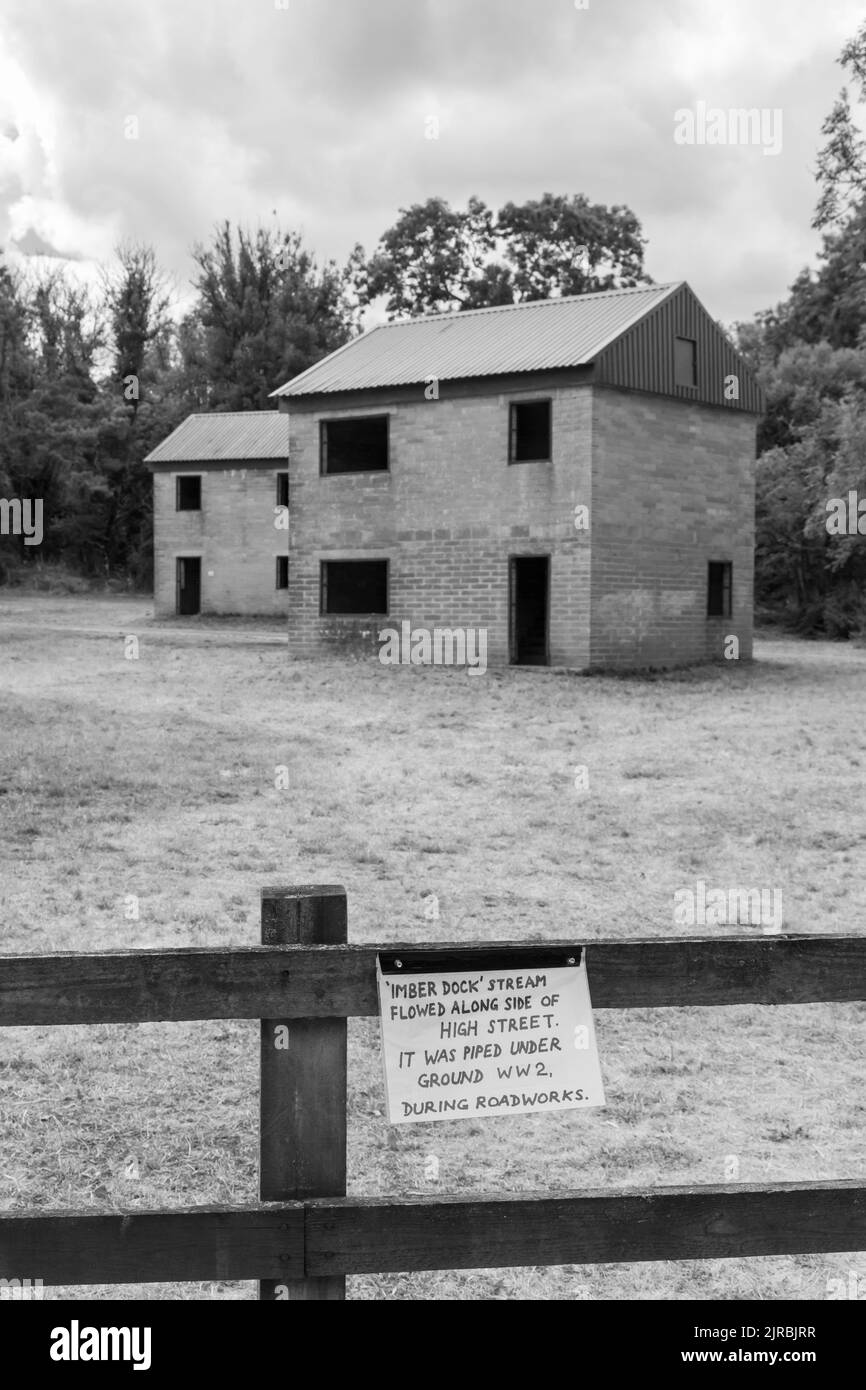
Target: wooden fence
304,1236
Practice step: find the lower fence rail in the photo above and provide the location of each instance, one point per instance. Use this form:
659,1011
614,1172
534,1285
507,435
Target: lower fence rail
339,1236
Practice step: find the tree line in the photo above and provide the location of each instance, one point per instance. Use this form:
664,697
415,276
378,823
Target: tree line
809,353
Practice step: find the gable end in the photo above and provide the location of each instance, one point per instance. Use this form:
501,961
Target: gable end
643,357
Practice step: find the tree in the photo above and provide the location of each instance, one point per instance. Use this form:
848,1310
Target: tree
267,311
49,439
830,305
138,299
817,399
561,245
17,370
842,434
842,162
140,402
799,384
17,363
191,366
436,258
819,576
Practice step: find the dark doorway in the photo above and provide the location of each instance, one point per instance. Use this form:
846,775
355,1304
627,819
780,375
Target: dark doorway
188,585
530,585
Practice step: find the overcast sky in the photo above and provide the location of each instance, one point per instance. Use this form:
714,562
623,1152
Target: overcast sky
317,111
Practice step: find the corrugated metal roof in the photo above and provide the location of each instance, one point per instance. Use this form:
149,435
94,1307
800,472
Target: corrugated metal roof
242,434
528,337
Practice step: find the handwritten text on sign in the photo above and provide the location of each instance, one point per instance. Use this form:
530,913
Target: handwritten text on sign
487,1042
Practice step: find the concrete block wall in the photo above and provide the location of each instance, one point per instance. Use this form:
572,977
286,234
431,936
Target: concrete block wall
447,517
234,533
673,488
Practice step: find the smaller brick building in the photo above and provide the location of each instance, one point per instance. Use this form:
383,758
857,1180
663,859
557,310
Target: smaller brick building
220,515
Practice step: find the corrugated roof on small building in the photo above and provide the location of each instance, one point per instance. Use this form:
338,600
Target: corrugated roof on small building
226,435
532,336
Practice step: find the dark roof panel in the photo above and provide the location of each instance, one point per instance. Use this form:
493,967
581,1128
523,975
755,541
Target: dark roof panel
642,359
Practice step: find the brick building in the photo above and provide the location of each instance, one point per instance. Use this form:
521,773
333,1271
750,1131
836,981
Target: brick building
573,476
220,518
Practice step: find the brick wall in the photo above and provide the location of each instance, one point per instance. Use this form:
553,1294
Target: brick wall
234,533
673,488
448,515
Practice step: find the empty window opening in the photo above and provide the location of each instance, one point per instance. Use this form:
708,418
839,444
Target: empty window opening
282,571
354,446
686,361
189,494
188,585
719,589
355,586
529,432
282,489
530,587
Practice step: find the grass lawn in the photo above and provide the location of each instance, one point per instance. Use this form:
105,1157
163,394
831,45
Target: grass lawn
155,777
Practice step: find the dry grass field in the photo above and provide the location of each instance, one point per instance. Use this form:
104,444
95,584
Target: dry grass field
155,777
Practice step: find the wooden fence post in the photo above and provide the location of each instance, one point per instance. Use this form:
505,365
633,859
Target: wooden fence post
303,1087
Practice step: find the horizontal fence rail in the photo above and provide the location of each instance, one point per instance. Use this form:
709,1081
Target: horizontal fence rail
340,981
340,1236
596,1227
196,1243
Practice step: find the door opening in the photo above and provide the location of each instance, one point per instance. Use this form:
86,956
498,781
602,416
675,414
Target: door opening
188,585
530,587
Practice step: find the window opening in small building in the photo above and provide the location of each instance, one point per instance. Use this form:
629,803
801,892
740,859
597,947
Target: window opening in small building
189,494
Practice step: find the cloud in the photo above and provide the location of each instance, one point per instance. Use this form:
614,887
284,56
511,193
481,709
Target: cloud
158,121
32,244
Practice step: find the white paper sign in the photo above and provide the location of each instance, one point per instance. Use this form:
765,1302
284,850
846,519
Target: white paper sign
476,1044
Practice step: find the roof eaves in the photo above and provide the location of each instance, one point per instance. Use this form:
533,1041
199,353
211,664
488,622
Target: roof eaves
474,376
